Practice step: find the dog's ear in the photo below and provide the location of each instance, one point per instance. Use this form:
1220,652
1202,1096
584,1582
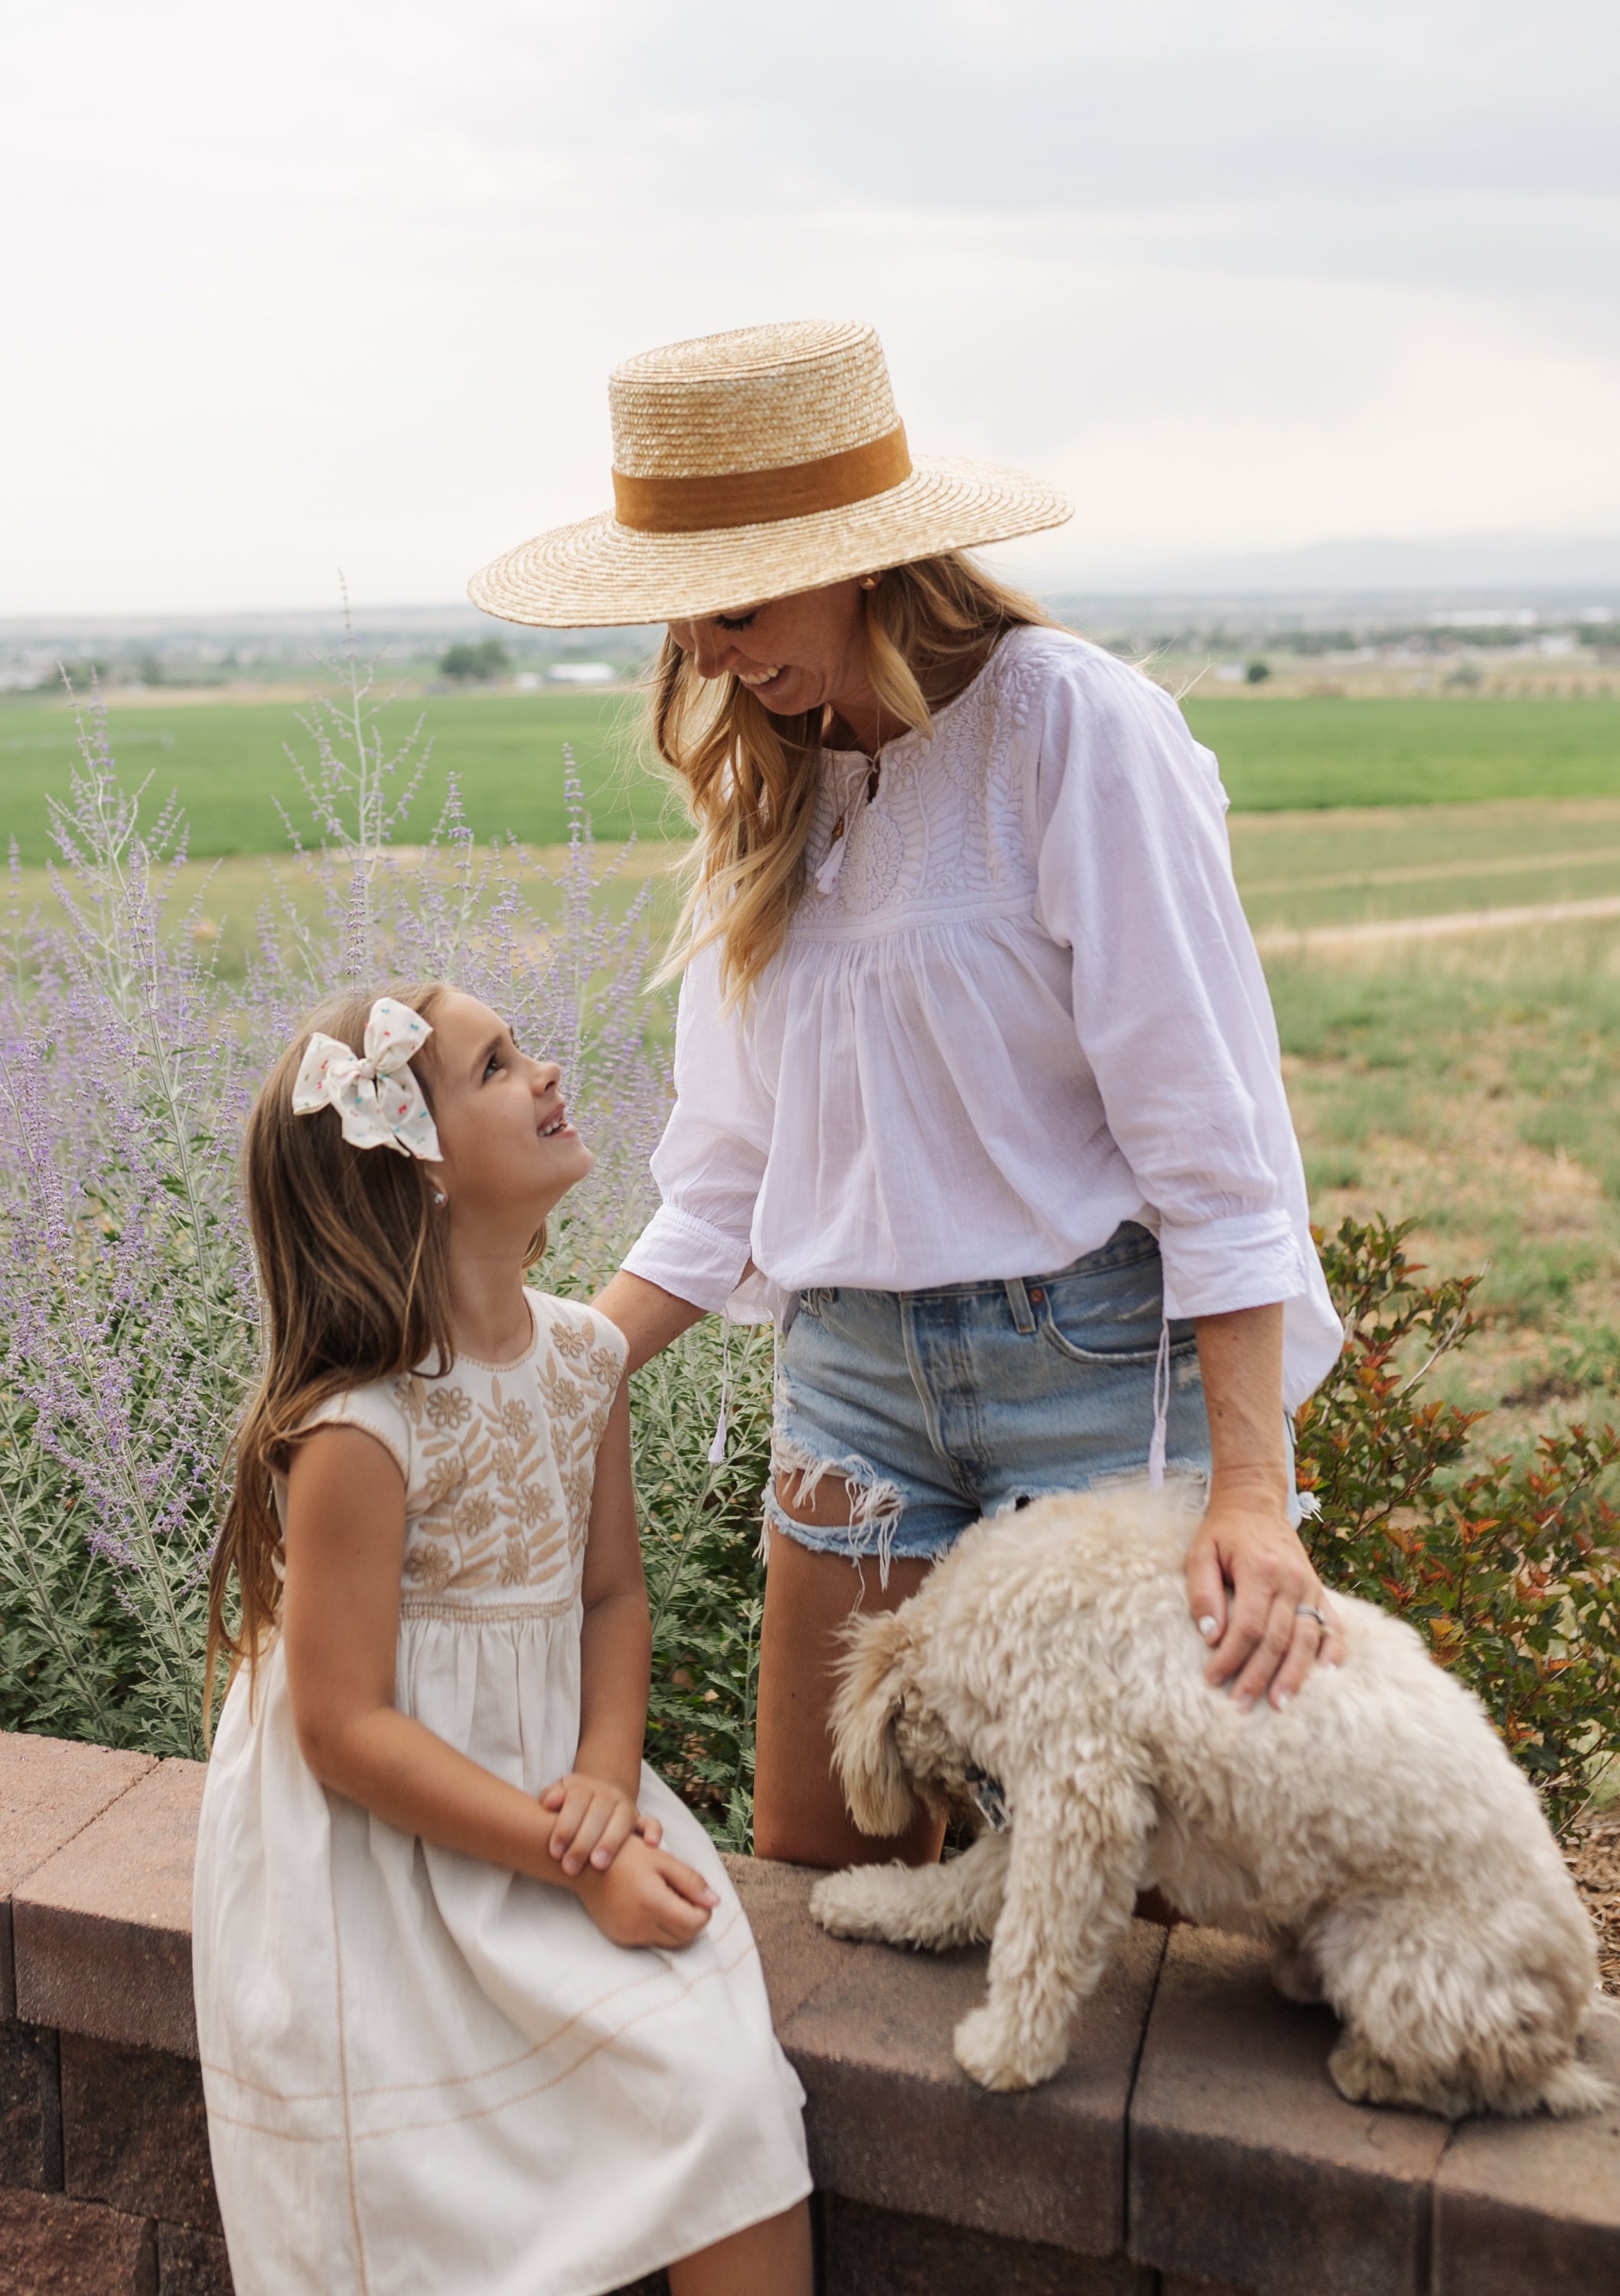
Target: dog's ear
871,1685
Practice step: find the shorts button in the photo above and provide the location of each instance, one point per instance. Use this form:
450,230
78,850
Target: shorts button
1038,1293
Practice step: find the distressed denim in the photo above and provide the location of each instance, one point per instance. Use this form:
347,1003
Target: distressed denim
936,1407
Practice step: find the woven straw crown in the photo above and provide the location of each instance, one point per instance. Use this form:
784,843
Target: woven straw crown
754,400
749,465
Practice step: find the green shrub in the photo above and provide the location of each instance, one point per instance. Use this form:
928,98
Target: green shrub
701,1528
1510,1572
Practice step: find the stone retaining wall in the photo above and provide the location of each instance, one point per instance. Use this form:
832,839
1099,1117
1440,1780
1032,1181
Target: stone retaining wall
1193,2147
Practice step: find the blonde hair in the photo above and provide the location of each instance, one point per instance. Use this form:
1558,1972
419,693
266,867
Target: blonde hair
749,779
353,1275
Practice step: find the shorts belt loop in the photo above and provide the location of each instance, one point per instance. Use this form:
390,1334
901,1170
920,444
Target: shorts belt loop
1017,1300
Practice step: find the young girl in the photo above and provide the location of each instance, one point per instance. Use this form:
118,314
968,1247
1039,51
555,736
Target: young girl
470,2025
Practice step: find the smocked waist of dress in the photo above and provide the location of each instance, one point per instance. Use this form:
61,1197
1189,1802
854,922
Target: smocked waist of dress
496,1608
924,917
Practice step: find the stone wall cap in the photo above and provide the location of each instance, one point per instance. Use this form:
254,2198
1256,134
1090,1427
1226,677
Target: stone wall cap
103,1930
1534,2204
894,2123
50,1790
1246,2165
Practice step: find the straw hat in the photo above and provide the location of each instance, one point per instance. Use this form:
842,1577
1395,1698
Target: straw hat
749,465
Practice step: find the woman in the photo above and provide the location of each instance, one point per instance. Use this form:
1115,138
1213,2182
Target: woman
976,1079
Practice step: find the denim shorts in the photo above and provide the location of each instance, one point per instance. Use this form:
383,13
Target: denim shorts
936,1407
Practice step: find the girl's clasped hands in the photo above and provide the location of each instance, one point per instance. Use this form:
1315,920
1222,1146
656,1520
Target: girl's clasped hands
633,1891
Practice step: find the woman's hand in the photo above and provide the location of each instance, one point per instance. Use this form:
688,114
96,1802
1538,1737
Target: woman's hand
594,1819
1264,1633
1276,1622
646,1897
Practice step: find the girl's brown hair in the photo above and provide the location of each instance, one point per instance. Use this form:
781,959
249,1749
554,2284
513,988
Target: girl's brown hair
354,1286
749,778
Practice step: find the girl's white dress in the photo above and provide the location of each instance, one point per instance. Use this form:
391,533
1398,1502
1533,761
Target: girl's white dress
427,2076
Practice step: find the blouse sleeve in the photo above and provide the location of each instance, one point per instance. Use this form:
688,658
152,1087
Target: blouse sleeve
1170,1002
711,1161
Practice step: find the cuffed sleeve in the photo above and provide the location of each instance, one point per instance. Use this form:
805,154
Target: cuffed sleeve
689,1257
1244,1259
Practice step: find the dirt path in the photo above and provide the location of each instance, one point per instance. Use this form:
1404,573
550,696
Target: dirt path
1284,939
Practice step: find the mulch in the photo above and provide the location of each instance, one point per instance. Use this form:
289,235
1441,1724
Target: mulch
1594,1859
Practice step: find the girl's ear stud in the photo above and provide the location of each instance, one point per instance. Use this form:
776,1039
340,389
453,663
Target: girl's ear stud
871,581
439,1197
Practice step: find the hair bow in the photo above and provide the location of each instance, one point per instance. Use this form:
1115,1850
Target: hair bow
376,1094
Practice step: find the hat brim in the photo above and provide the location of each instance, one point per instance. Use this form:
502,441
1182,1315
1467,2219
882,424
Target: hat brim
598,573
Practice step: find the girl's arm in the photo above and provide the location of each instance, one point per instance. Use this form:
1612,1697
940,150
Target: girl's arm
345,1541
1246,1541
594,1806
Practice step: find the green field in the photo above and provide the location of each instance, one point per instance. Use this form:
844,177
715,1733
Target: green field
1330,867
1279,756
228,764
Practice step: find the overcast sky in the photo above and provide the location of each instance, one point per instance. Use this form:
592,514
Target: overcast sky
338,281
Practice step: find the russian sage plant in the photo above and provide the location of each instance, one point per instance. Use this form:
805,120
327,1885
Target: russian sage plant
129,1323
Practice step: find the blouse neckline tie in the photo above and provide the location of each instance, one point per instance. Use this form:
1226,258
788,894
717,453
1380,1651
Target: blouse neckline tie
827,875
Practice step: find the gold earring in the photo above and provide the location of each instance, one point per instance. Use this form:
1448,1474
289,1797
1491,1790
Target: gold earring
871,581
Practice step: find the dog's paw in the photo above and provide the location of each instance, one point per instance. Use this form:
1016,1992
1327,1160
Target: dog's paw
998,2058
863,1902
1361,2077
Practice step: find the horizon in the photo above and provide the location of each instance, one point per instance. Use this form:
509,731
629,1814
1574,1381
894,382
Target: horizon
1550,585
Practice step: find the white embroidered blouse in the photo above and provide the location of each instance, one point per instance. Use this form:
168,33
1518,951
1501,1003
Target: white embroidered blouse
1022,1006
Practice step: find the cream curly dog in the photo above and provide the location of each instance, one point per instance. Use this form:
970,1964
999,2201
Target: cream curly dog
1374,1833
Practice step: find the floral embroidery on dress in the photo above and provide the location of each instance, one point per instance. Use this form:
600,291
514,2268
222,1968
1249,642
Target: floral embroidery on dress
503,1466
573,1342
429,1566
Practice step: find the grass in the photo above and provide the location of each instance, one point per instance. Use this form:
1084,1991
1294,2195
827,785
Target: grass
1285,755
1354,865
1472,1084
227,762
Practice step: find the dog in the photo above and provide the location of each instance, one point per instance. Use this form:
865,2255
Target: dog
1374,1831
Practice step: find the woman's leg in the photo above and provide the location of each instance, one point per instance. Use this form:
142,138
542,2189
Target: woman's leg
772,2258
798,1806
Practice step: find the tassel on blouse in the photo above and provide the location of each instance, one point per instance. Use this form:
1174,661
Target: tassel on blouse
827,875
716,1449
1161,1408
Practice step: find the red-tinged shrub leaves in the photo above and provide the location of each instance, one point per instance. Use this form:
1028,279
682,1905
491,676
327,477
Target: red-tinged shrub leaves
1510,1572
